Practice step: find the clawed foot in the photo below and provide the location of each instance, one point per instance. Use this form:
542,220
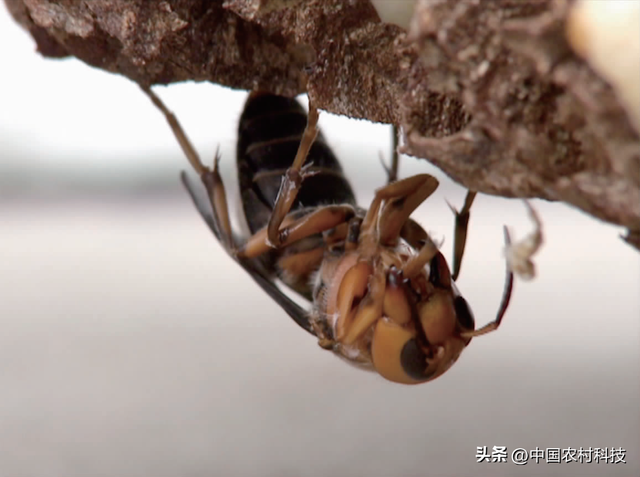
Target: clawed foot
519,253
391,171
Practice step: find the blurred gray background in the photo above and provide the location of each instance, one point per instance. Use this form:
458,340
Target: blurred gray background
131,345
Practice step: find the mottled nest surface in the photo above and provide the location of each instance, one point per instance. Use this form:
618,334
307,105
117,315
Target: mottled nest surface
488,91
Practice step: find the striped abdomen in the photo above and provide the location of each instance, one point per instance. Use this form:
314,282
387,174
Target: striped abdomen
269,134
268,138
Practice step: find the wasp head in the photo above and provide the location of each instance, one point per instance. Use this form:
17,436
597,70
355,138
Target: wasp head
405,314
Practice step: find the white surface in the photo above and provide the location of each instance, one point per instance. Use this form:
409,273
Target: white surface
132,346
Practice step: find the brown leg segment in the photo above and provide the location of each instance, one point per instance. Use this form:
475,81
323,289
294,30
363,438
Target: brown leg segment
258,176
318,221
402,198
416,263
414,234
209,177
392,170
292,180
460,232
218,196
220,223
504,304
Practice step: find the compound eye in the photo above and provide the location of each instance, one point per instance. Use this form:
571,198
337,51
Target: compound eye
414,361
396,354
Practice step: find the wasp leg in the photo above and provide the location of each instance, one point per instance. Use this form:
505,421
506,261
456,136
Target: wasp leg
460,232
348,329
420,241
202,203
414,234
392,170
177,130
401,199
295,311
292,180
318,221
217,216
416,263
504,303
308,170
209,177
520,253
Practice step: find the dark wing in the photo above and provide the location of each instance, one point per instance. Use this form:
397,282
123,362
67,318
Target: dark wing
201,201
253,268
295,311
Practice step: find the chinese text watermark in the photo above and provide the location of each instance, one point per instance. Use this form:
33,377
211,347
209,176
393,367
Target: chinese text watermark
551,455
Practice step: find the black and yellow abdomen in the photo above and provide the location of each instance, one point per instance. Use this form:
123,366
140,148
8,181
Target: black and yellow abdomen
268,138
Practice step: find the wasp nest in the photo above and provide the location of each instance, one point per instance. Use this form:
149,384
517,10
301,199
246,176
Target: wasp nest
535,98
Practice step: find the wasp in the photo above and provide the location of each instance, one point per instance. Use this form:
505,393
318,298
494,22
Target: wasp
380,293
